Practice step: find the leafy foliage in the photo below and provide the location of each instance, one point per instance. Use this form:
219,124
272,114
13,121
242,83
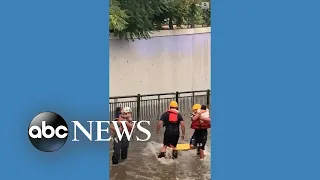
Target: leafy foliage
118,18
132,19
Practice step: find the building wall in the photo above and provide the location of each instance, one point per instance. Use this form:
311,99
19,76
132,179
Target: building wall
172,60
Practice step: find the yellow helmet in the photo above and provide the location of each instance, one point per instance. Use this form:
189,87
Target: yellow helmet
173,104
196,107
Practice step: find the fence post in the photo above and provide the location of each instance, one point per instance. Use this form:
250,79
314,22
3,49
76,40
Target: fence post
159,106
208,98
177,96
138,106
192,98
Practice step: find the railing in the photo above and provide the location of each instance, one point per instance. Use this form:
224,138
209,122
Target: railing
150,106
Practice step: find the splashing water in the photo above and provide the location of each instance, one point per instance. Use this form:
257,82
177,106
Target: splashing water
152,149
185,158
143,162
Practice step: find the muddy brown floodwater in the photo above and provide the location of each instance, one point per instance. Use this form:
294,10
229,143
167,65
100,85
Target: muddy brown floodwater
143,164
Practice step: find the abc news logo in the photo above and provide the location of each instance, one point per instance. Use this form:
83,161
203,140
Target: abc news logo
48,131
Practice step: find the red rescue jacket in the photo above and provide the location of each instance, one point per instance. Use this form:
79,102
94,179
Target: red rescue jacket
196,124
173,116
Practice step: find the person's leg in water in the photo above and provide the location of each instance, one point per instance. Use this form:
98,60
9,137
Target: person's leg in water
193,143
198,150
174,141
166,143
124,148
203,141
116,151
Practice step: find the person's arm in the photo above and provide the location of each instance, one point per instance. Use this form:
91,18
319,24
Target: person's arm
183,127
192,115
160,123
196,116
112,127
129,121
205,119
118,120
129,125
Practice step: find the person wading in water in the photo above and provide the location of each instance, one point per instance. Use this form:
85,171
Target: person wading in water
201,124
193,143
171,120
120,147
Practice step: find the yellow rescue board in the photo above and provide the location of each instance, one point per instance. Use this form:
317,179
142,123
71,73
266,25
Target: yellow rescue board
183,147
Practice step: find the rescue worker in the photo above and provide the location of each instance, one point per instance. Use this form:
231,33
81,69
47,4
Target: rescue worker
171,120
201,126
193,144
120,147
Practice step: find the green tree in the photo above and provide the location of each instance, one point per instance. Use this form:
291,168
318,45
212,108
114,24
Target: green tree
132,19
207,17
206,13
118,17
175,13
139,17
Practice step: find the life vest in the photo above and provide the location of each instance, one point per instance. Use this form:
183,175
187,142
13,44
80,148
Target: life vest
173,116
196,124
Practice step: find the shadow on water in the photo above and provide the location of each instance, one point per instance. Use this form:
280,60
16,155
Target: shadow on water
143,164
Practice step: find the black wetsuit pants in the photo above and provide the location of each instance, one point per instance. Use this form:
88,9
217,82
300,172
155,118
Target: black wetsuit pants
199,138
120,149
171,138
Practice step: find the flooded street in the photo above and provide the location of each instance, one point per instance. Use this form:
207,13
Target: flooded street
143,164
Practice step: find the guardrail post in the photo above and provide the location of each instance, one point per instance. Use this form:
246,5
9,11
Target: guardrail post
177,96
208,98
138,106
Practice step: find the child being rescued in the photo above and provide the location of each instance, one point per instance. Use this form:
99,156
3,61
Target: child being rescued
204,112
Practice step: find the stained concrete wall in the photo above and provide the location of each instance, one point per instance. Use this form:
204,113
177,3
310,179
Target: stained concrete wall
172,60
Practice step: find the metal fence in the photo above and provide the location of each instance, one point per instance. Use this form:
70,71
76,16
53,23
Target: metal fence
150,106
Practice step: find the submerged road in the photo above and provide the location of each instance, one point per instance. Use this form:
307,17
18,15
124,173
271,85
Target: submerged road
143,164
